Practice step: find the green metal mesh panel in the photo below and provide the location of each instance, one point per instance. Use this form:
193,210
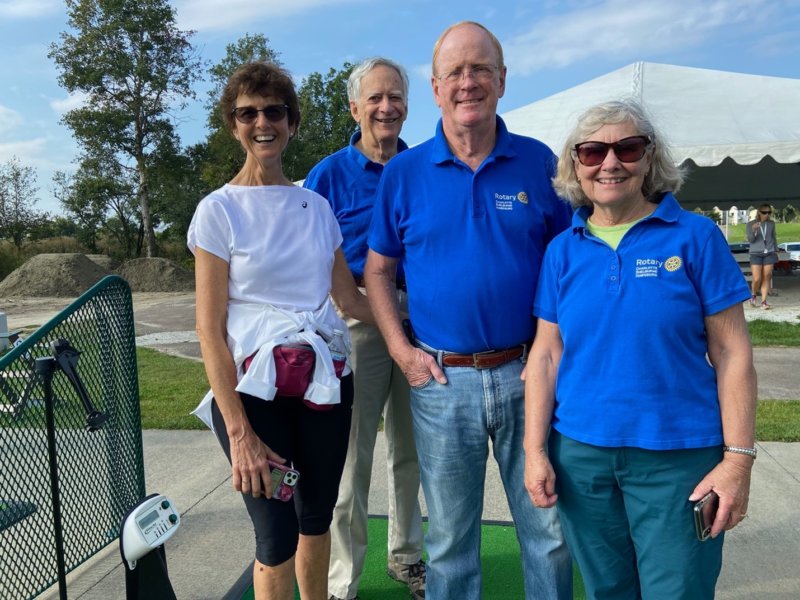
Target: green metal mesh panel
100,473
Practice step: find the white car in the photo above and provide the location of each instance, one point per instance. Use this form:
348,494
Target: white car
793,248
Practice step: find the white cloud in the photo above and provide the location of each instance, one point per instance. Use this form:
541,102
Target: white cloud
29,152
206,15
28,9
72,101
619,29
9,119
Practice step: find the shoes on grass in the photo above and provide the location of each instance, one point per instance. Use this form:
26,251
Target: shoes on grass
411,575
765,305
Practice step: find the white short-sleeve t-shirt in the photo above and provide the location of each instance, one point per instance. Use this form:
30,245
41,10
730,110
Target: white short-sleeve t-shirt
278,240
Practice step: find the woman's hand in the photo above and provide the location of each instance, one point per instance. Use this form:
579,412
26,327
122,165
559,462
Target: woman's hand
540,479
730,479
250,469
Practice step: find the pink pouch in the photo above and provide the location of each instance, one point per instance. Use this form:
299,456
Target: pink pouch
294,368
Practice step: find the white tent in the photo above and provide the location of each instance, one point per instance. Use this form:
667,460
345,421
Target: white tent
738,134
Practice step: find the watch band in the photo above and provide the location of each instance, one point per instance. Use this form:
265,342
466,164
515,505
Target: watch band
752,452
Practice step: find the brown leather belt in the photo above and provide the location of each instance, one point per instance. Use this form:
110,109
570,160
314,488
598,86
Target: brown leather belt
400,284
484,360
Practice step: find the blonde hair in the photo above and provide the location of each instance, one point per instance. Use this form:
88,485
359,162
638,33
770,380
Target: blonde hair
663,176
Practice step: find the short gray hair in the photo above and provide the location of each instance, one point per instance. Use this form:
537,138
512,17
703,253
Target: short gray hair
663,176
360,71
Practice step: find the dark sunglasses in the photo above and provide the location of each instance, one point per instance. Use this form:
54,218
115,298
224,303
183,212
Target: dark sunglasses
765,212
274,113
628,150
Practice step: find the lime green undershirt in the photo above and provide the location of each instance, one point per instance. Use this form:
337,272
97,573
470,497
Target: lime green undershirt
611,235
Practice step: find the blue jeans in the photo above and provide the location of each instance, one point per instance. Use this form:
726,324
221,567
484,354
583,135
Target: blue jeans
452,427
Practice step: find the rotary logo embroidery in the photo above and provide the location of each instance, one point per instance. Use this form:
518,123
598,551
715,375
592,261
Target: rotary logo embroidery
673,263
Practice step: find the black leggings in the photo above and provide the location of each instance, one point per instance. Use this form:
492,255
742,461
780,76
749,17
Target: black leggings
313,442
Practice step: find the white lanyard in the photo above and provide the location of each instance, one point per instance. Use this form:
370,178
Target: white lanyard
763,228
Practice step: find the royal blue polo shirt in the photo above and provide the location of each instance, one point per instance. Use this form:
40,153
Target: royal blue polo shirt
471,243
348,179
634,370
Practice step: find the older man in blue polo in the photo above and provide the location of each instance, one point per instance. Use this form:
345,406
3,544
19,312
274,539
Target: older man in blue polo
467,215
378,93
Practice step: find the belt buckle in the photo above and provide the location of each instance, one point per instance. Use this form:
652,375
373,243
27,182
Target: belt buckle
476,356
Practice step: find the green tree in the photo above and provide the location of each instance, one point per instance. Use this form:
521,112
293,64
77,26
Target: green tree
99,187
17,199
177,188
326,123
134,66
221,156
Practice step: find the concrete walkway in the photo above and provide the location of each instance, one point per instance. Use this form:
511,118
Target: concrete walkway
215,544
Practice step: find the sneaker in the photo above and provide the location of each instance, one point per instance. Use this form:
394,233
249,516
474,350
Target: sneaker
765,305
412,575
753,301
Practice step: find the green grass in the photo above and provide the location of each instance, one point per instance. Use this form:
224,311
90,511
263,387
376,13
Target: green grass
772,333
169,389
778,421
785,232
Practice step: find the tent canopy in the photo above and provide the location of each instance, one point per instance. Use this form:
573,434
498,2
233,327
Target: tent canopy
738,135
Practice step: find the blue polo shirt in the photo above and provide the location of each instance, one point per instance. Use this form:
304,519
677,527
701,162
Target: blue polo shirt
471,243
634,369
348,179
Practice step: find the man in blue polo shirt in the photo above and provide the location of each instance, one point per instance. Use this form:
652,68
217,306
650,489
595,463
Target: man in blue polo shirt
378,94
468,215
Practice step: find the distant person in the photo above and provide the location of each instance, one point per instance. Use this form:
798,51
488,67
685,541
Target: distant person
378,94
641,372
467,214
763,254
267,256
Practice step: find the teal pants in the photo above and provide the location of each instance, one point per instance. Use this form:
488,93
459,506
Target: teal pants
628,522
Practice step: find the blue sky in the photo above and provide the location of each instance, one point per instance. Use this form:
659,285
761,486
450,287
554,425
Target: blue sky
549,45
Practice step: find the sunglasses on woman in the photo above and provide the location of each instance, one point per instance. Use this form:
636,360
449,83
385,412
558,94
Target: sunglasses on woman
628,150
274,113
765,212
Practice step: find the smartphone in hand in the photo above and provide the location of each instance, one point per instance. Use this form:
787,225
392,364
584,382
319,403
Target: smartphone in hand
283,480
705,510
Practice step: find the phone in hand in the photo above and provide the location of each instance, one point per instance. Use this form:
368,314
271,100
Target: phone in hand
283,480
705,510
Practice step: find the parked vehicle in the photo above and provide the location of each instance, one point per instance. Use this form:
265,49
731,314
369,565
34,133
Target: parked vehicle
793,250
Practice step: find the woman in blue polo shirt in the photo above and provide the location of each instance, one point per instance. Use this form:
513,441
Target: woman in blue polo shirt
641,371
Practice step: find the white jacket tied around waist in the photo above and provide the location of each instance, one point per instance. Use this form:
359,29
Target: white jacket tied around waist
259,328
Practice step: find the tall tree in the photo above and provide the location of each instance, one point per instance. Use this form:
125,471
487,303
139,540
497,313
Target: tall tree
326,124
134,65
17,199
222,156
99,187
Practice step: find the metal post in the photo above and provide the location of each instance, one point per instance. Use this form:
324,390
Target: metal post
45,368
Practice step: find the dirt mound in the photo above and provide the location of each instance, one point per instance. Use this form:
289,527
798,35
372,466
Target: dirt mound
156,275
63,275
104,261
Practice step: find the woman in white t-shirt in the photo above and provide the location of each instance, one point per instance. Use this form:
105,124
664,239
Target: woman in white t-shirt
268,260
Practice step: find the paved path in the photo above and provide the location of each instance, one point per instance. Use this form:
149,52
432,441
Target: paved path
214,544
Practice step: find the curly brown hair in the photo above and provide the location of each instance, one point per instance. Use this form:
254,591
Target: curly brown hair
261,79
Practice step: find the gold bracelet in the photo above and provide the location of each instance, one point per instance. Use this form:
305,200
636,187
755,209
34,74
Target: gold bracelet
752,452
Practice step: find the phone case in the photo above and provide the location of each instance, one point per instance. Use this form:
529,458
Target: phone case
284,480
705,510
